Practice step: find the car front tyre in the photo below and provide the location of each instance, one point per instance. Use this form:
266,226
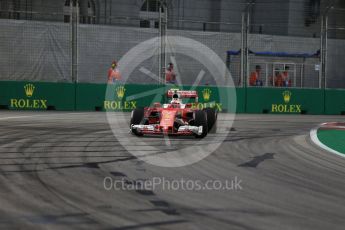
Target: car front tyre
200,119
137,116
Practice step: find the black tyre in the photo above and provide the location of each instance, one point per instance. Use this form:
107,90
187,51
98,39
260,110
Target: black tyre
136,119
200,119
211,118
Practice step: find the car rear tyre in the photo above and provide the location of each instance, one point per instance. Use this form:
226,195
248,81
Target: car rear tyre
211,119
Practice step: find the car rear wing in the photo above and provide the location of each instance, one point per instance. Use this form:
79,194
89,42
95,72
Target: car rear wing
183,93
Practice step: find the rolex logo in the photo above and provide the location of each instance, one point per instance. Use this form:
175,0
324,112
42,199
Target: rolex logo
29,90
120,92
287,96
206,93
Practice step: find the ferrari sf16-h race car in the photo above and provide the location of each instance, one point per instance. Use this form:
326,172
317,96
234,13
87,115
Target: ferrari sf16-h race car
174,118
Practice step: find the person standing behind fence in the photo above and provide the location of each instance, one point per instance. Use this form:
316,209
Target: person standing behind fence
274,80
278,79
170,76
254,79
286,77
114,74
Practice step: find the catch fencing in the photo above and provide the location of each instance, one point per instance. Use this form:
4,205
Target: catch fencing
74,48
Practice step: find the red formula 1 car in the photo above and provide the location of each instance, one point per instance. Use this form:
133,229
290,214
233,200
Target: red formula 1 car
174,118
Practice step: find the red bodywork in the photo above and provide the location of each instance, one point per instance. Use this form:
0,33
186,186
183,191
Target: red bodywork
163,118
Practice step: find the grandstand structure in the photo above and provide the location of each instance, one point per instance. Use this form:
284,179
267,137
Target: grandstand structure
76,40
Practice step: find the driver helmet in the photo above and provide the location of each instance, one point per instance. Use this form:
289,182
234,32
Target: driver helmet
175,99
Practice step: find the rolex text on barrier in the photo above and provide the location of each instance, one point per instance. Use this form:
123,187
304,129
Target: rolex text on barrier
86,97
286,107
119,102
209,100
284,100
28,102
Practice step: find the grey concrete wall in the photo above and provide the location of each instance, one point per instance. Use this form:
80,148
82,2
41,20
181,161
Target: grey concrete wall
231,12
297,20
272,16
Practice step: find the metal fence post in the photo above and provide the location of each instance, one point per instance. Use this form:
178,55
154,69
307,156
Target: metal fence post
325,52
247,42
163,21
242,81
245,49
244,43
74,39
321,52
324,42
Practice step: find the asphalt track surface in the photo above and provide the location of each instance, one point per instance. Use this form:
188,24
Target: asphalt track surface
53,166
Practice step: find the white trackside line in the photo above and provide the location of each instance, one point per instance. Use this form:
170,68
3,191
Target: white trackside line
315,139
41,115
18,117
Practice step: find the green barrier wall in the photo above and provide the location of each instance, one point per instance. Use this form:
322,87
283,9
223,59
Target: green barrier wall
285,101
105,97
335,102
241,100
37,96
89,96
101,97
